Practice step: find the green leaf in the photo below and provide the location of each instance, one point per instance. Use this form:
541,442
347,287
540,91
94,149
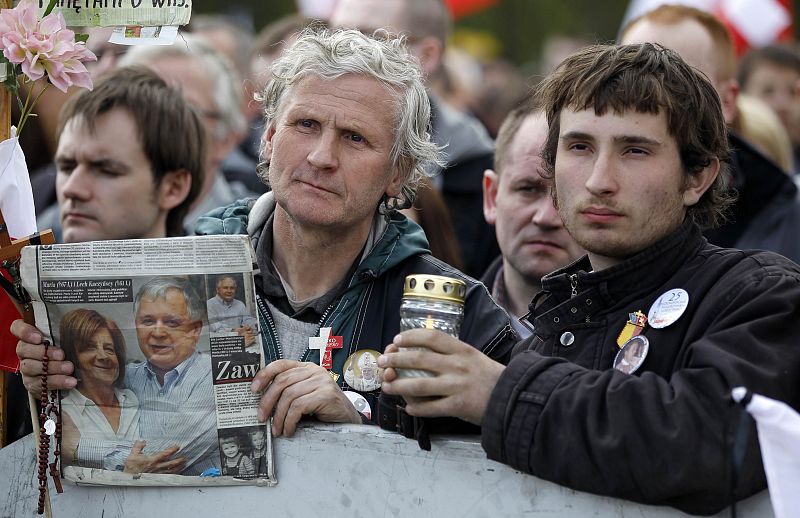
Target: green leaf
81,37
50,7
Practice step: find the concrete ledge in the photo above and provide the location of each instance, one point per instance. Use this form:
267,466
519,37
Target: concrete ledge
341,470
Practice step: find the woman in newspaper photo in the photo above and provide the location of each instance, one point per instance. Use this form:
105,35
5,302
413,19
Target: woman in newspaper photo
99,406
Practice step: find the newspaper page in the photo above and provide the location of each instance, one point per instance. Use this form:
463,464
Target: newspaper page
106,13
164,338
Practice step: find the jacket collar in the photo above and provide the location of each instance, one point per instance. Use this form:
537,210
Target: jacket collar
641,273
391,240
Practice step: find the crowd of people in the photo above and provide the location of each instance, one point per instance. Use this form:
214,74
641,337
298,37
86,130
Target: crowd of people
632,221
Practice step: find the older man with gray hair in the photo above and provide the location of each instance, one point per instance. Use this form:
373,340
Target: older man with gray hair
346,142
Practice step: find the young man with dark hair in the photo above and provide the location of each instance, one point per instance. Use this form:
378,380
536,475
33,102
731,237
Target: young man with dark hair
132,146
637,149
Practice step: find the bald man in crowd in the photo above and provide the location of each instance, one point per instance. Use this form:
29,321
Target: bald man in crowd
517,201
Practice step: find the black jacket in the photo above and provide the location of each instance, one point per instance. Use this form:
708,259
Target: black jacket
660,436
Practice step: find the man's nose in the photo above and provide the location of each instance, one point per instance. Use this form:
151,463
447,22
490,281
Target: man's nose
159,328
603,179
325,151
546,215
76,185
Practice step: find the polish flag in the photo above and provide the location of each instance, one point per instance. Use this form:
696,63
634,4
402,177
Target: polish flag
752,23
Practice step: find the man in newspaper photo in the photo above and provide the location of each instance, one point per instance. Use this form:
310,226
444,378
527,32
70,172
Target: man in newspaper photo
228,314
177,420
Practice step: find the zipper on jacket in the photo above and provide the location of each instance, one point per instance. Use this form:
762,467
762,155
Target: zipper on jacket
573,282
262,306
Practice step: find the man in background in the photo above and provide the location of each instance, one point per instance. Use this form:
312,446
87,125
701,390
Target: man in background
233,39
517,201
772,74
211,85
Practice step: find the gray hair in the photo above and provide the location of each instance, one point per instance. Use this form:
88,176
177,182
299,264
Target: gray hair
227,84
157,288
330,54
225,276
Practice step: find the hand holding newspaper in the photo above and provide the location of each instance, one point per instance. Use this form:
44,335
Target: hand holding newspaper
155,330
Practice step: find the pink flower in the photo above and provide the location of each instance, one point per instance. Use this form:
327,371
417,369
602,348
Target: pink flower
44,48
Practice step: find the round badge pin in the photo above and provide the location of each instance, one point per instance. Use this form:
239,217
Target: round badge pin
632,354
361,371
668,308
360,402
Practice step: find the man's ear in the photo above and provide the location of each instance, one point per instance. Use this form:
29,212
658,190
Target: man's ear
729,92
197,329
698,183
394,188
429,50
491,182
173,189
266,138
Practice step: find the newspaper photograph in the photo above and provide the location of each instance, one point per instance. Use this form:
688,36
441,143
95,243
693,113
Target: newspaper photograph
164,338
